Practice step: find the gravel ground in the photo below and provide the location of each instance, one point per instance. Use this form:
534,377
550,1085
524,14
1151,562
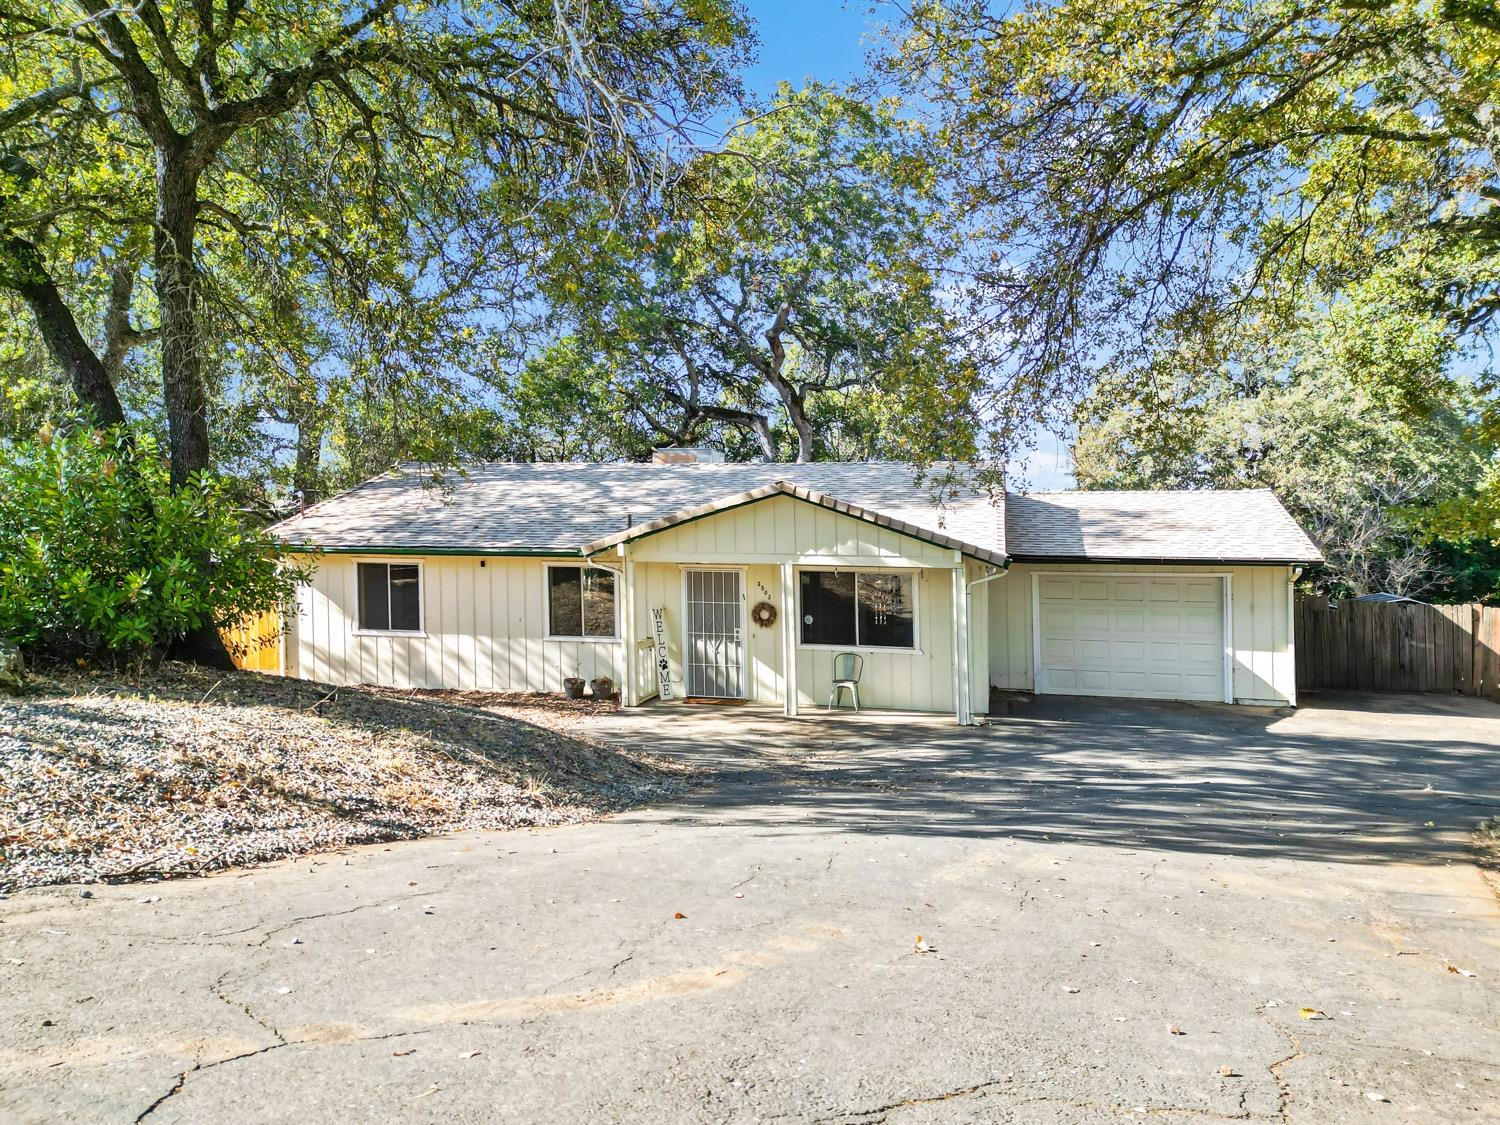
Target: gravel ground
104,778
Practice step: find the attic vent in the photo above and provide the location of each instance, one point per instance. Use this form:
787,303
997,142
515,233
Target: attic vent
687,455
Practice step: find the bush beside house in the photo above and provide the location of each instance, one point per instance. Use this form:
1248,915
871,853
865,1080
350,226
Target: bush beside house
101,557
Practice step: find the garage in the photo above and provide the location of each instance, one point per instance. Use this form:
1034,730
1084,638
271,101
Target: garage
1149,636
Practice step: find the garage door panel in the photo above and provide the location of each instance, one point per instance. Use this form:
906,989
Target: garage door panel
1201,655
1164,653
1095,651
1060,650
1132,636
1065,680
1094,621
1059,588
1163,623
1202,687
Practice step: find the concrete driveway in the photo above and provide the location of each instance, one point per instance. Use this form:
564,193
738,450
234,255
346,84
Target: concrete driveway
1126,912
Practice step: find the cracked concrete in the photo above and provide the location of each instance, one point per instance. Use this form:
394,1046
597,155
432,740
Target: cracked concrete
1088,877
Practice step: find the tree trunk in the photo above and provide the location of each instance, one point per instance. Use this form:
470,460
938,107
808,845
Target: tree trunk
309,451
177,296
796,410
25,272
181,372
204,646
791,398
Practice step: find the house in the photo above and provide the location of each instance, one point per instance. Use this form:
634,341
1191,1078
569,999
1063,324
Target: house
689,577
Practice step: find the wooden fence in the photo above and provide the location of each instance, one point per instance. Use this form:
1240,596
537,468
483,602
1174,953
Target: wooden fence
1398,646
255,643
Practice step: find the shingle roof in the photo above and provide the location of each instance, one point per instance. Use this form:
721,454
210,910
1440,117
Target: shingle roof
1248,525
561,507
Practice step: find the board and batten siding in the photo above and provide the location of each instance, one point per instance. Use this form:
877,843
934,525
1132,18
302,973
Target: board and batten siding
785,529
484,630
761,536
1264,669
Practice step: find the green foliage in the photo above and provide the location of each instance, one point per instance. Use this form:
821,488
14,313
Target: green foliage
1320,417
1470,567
789,308
369,183
565,406
99,555
1135,172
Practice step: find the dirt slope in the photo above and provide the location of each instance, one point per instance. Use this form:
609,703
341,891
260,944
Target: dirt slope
184,771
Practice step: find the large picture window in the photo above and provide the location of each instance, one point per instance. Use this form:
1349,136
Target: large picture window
390,597
858,609
581,602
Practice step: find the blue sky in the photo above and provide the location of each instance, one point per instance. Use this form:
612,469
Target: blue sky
812,39
827,40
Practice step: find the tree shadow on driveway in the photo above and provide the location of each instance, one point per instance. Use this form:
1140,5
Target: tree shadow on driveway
1359,779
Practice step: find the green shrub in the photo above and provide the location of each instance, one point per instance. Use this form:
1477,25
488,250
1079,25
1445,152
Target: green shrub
99,555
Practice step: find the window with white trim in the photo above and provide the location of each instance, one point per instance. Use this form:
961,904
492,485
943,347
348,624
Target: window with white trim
858,608
390,597
581,602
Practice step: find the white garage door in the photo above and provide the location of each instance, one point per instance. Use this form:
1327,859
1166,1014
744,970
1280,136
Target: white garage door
1138,635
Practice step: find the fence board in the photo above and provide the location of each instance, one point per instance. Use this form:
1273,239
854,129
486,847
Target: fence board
1401,646
1487,653
255,643
1461,619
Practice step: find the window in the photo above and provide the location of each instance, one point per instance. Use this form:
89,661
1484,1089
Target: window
390,597
580,602
858,609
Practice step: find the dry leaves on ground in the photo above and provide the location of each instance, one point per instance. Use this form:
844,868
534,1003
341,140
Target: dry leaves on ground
190,770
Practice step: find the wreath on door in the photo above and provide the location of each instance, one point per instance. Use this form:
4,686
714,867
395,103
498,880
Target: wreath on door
763,614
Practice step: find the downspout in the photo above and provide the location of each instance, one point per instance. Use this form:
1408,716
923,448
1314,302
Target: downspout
995,572
1291,630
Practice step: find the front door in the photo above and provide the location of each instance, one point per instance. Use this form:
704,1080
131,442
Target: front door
715,634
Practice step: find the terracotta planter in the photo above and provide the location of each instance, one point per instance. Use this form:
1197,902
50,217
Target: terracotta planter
573,687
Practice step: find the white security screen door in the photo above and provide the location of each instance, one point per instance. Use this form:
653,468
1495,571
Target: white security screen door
715,634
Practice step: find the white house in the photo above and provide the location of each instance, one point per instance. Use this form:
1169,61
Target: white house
688,578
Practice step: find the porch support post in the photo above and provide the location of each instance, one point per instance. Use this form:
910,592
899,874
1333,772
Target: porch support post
789,639
961,644
630,690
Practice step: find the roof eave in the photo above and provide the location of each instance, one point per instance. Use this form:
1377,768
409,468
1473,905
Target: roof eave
1197,560
470,552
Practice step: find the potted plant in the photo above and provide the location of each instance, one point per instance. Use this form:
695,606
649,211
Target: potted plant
603,688
573,687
